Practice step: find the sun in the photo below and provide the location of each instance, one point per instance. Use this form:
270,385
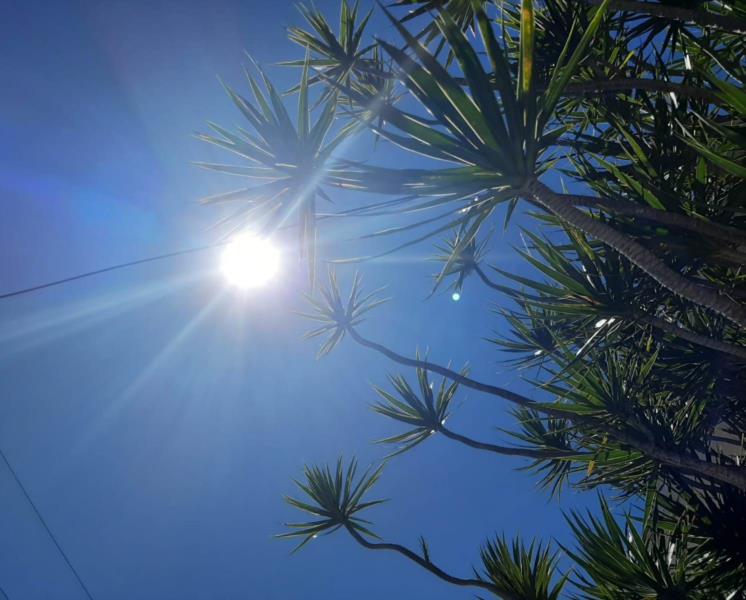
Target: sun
249,261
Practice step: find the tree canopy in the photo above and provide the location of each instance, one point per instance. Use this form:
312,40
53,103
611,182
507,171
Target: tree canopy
619,128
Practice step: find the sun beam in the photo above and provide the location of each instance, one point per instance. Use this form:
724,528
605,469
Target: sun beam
249,261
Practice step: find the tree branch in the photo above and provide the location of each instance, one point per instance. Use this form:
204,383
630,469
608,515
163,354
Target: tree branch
506,450
641,316
690,336
426,564
487,281
716,231
735,476
636,253
452,375
589,88
675,13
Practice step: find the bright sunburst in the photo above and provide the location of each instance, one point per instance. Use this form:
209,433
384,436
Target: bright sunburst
250,261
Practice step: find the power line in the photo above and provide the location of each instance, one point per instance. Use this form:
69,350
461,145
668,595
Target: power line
112,268
5,596
46,527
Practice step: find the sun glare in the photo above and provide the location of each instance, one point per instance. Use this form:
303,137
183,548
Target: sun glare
250,262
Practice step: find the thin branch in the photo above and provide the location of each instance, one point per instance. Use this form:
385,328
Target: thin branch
626,84
687,15
641,316
733,475
452,375
486,280
716,231
506,450
610,86
426,564
696,338
731,257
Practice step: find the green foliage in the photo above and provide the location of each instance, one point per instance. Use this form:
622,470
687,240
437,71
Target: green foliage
337,315
289,159
714,517
526,573
628,317
338,58
542,433
426,413
460,259
626,563
334,498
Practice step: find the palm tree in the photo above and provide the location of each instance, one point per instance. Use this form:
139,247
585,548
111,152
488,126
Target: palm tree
501,146
617,413
335,497
631,326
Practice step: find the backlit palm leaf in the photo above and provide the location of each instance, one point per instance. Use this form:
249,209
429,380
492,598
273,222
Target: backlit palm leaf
463,12
426,412
334,496
525,573
289,161
493,128
337,57
625,562
338,315
462,259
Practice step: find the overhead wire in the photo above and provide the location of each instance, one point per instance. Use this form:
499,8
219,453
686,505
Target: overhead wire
57,282
111,268
46,527
54,283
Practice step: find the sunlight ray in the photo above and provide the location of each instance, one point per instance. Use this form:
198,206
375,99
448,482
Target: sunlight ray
40,327
156,364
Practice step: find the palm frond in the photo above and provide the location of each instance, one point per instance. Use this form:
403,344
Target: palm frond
521,572
340,57
336,314
425,412
290,160
335,497
622,561
461,259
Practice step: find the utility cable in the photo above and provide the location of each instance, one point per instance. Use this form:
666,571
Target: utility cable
46,527
112,268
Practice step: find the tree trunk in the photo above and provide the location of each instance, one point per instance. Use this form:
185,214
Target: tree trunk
715,231
690,336
590,88
675,13
637,254
733,475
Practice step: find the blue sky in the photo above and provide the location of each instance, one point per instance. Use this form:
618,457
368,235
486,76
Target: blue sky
157,417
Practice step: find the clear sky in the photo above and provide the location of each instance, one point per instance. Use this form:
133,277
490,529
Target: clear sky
157,417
